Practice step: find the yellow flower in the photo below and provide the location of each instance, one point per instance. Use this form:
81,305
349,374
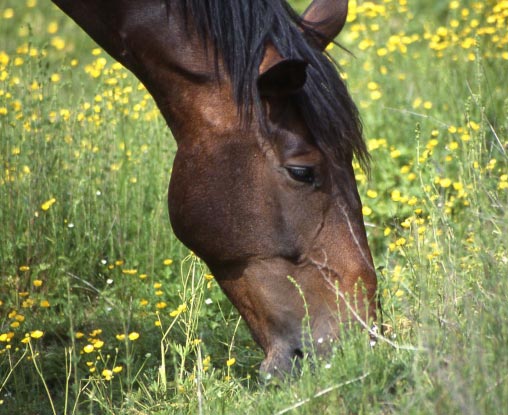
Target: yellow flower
367,211
117,369
88,348
167,261
107,374
474,126
371,193
37,283
130,271
8,13
24,268
4,58
36,334
48,203
230,362
58,43
120,337
52,28
417,102
453,145
395,153
395,195
400,242
458,186
208,277
133,336
79,335
181,309
445,183
206,363
96,332
98,344
45,303
160,305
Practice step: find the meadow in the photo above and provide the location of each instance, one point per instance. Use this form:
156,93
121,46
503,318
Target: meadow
103,311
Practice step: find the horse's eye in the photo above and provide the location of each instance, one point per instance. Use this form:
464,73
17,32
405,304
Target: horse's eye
303,174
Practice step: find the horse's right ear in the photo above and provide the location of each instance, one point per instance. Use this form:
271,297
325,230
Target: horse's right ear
284,78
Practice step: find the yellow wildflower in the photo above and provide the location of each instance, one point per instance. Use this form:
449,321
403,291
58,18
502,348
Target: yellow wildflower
366,211
107,374
36,334
88,348
133,336
48,203
181,309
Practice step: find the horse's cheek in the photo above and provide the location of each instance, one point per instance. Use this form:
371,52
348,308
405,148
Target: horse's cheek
217,207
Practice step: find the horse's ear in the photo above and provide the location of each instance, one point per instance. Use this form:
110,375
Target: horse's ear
323,20
284,78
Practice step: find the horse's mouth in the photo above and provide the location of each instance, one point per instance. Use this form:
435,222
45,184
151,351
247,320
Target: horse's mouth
281,363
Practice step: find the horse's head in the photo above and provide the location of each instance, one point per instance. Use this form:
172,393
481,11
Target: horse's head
273,208
262,186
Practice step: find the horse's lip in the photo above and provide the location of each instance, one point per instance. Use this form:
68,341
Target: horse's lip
282,359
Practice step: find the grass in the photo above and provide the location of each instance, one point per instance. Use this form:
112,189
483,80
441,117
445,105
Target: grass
102,310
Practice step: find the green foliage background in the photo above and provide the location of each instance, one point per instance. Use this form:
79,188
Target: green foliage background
102,310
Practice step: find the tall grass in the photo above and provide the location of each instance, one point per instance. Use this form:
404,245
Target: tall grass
102,310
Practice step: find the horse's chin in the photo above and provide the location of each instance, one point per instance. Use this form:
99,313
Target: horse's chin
283,359
281,362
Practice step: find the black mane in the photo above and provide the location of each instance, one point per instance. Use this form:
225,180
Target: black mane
239,31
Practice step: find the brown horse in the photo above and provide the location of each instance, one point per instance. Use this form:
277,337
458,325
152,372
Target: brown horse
262,187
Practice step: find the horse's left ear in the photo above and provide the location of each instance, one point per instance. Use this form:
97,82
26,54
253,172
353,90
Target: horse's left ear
284,78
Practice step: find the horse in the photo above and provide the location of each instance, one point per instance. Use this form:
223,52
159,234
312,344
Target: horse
262,188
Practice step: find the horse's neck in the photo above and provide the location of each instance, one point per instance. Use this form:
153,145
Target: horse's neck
166,54
180,73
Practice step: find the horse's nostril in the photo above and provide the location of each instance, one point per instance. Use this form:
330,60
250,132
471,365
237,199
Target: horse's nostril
298,353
